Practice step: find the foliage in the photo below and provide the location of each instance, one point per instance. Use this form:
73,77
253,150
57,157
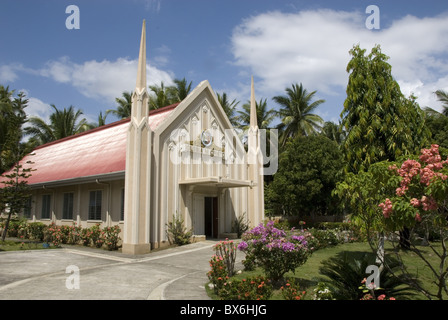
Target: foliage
227,250
229,107
296,113
64,234
420,199
381,124
274,250
53,234
370,292
218,273
63,123
240,225
308,172
112,237
15,194
35,230
252,288
177,233
360,194
345,270
290,291
322,292
437,123
12,118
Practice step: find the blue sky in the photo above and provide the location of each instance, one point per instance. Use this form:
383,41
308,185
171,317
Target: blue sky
224,41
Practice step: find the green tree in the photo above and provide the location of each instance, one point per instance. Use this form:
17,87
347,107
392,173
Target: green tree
179,91
14,194
333,131
381,123
124,106
443,97
265,116
12,119
63,123
229,107
296,113
160,96
437,123
308,171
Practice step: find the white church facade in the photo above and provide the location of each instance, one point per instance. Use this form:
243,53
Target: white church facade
182,160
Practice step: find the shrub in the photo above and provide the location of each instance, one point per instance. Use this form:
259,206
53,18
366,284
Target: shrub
218,273
36,230
275,251
227,250
345,270
323,292
240,225
252,288
96,235
177,233
112,237
290,291
326,238
53,234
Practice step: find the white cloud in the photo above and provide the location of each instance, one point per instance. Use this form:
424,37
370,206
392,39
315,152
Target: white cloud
38,108
312,47
8,73
104,79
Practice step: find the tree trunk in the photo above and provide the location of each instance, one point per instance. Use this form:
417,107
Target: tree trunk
5,230
405,241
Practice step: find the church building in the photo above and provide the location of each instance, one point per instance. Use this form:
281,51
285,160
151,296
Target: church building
184,160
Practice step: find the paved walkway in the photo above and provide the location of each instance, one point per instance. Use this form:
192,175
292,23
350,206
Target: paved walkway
178,273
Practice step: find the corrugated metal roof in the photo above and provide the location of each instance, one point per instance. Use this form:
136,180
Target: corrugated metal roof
95,152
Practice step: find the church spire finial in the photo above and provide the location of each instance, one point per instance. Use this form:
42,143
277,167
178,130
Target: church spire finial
141,71
253,106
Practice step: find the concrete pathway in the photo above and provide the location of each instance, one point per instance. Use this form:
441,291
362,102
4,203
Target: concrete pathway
178,273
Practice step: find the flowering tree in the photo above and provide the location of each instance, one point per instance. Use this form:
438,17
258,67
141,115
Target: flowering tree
421,200
276,251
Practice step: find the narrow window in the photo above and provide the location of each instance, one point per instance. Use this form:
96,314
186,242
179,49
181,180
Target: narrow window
67,209
122,205
95,205
46,204
27,209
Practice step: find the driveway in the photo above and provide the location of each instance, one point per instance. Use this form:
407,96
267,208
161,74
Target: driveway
78,273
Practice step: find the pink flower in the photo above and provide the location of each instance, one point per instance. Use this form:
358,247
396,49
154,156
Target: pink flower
417,217
386,207
415,202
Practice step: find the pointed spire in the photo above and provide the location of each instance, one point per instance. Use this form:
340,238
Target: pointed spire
253,106
141,71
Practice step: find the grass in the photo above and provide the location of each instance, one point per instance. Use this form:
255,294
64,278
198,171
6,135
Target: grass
308,274
17,245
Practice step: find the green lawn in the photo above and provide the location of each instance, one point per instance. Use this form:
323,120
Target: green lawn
15,245
308,274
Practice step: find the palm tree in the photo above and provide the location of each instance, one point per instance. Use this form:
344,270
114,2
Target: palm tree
179,91
160,98
63,123
443,97
124,107
333,131
296,113
264,116
229,107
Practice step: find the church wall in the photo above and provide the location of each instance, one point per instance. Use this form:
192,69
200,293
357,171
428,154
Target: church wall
111,204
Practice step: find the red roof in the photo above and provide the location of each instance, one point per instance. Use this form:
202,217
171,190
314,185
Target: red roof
92,153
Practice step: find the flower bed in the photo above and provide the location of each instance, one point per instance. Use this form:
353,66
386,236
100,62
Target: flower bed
95,236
